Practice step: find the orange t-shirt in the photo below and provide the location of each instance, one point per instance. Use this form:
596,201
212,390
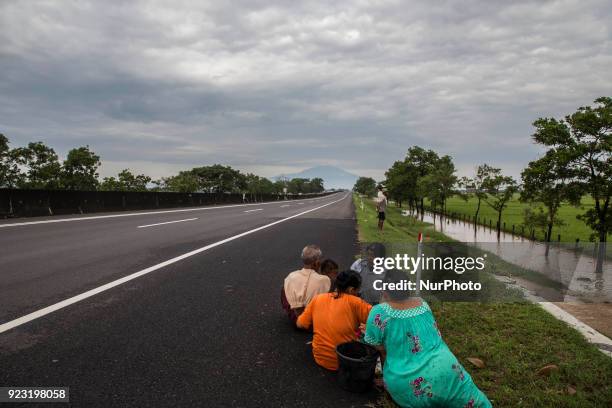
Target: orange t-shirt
334,322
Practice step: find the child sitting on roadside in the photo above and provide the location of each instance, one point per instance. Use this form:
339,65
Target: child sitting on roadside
329,268
334,318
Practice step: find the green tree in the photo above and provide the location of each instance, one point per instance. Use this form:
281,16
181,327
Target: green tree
183,182
126,181
399,183
281,186
582,144
256,185
535,220
297,185
11,160
79,171
42,164
418,164
219,179
499,189
316,185
266,186
365,186
440,183
544,181
474,186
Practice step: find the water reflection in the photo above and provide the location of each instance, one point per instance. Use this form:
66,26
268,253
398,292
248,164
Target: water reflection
573,265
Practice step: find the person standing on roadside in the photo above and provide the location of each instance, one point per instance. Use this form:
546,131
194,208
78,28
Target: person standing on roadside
380,193
381,207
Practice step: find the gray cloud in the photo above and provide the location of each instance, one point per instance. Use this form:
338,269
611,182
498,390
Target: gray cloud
275,87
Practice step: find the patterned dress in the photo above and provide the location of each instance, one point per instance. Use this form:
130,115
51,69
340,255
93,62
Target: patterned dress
420,370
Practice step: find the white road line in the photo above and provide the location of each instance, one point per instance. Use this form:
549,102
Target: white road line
97,217
286,205
67,302
163,223
300,203
257,209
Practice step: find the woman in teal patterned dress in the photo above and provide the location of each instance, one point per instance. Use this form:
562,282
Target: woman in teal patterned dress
419,369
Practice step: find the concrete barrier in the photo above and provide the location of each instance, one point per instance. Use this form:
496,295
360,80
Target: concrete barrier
31,203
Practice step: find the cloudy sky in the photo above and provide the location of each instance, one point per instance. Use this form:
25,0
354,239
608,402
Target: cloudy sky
276,87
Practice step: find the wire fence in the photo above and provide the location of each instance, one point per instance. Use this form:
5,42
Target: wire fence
514,229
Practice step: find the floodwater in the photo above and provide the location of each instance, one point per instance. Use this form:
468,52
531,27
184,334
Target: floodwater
573,265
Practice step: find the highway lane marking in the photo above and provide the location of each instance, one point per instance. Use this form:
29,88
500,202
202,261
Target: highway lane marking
257,209
97,217
67,302
167,222
286,205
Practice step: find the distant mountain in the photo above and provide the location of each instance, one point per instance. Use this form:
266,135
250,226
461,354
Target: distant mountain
333,177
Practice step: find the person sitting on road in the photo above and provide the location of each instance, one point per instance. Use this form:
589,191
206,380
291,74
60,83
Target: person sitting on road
334,318
419,370
329,268
364,267
304,284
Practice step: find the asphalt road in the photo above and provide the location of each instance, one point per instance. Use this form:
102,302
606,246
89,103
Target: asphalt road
206,330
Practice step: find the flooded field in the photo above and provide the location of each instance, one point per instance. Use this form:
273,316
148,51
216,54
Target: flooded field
573,265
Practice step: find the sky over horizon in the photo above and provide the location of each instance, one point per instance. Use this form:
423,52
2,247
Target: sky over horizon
275,87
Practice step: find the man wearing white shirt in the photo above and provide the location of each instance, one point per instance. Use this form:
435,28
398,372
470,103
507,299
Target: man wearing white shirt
381,206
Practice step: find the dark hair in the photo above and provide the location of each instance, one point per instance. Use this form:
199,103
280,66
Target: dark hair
347,279
396,276
328,265
377,249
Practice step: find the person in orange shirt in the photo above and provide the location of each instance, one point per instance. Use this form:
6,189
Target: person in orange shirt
335,317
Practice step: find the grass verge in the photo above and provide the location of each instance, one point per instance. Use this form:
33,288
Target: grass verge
515,340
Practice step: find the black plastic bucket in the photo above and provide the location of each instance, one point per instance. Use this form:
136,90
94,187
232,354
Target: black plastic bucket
356,366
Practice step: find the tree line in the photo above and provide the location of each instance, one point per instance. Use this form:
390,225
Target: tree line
37,166
577,162
224,179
